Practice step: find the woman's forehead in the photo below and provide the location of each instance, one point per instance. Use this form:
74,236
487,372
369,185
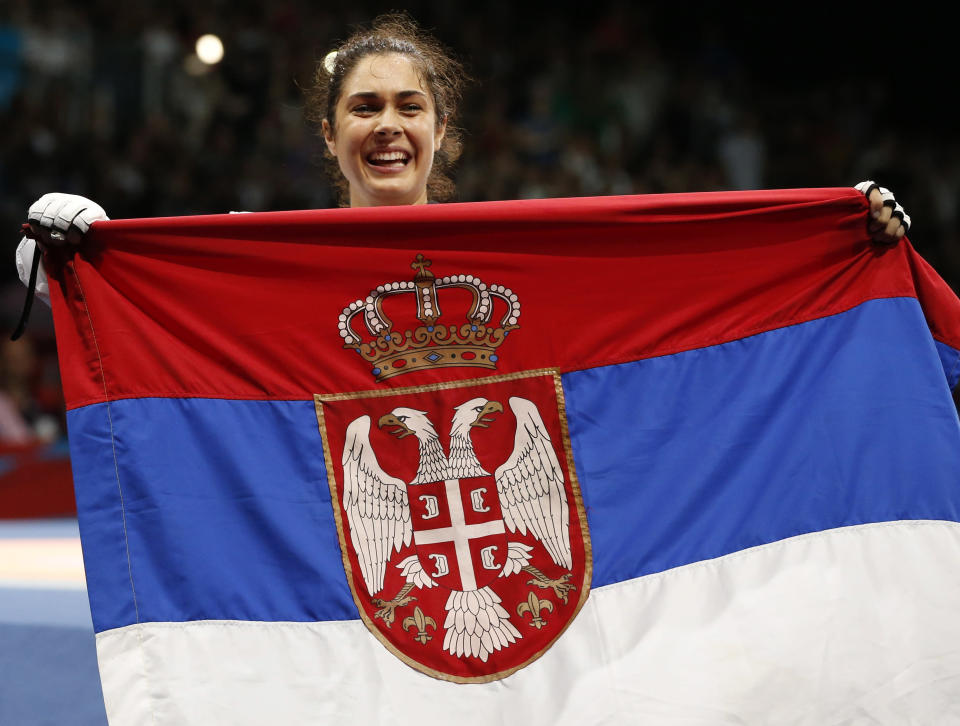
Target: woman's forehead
384,73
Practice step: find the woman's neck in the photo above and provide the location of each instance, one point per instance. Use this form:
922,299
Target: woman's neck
358,200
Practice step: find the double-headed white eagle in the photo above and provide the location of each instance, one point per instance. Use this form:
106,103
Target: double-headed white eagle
532,497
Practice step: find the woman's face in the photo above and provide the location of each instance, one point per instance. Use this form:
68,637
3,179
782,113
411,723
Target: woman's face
385,133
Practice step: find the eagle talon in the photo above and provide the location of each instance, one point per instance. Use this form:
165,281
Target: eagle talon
560,585
387,608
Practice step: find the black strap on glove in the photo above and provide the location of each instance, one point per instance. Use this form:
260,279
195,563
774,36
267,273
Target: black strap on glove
31,286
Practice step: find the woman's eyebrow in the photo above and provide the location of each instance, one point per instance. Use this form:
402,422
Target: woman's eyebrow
374,94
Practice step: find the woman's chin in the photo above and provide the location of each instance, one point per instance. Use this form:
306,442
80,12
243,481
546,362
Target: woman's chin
388,191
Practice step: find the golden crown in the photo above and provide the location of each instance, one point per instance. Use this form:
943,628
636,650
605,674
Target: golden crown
473,343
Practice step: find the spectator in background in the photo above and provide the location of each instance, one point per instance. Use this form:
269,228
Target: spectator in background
23,416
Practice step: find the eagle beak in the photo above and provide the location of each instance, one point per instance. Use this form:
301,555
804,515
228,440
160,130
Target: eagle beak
391,420
492,407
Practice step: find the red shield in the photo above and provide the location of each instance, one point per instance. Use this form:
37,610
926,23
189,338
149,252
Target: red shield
461,525
459,531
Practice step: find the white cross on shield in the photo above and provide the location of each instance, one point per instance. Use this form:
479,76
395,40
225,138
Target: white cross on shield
458,531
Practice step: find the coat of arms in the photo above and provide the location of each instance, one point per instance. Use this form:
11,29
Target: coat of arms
461,525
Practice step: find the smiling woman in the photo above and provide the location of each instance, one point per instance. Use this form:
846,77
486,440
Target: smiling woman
385,101
386,132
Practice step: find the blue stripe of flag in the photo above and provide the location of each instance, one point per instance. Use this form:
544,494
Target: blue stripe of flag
221,510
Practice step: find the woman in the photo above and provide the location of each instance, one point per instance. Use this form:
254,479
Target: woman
386,103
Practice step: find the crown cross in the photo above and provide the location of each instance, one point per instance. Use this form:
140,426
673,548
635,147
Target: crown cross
493,311
420,264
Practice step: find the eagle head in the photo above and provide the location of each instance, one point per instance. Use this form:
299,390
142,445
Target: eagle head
408,421
475,412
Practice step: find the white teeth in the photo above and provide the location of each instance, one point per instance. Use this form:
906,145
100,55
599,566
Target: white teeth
389,156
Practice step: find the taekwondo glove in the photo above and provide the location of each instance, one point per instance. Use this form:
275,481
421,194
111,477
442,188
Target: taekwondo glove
57,219
888,219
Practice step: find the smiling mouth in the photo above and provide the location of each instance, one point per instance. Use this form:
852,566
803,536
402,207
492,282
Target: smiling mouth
389,159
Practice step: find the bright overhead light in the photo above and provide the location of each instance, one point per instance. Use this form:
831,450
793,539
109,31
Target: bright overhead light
209,49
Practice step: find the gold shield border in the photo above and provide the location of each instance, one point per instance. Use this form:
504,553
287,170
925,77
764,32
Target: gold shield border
319,400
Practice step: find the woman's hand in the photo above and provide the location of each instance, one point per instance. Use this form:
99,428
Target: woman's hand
55,220
888,221
59,219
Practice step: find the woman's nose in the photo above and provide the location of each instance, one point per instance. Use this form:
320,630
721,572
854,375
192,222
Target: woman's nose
389,124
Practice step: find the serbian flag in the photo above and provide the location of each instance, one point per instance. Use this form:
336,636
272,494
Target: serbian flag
670,459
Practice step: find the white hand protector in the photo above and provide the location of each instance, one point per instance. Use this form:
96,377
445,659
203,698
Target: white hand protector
866,187
57,212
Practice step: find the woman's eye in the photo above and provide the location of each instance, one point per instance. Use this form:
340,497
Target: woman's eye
362,108
412,107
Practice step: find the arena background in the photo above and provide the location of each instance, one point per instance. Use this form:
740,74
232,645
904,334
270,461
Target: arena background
108,100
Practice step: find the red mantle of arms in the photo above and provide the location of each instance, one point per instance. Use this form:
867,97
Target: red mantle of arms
460,520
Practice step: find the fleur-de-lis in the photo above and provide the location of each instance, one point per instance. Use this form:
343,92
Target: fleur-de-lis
421,622
534,606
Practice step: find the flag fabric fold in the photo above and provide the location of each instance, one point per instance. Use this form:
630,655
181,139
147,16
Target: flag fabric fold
668,459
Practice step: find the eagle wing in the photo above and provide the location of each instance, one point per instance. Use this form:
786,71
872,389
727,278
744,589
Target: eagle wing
531,485
376,504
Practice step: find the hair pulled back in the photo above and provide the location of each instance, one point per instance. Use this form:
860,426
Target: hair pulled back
443,76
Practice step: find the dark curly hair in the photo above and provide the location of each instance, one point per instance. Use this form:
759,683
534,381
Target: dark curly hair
443,75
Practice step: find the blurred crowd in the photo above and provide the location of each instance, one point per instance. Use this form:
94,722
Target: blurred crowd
108,100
